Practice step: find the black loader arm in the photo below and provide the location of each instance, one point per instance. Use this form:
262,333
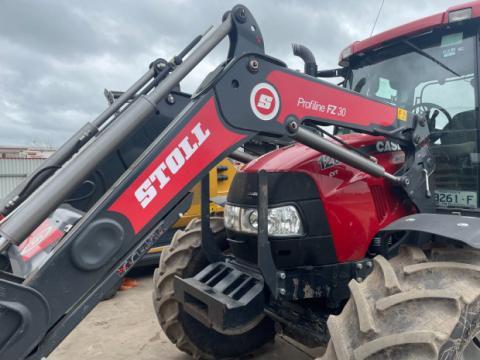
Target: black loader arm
250,94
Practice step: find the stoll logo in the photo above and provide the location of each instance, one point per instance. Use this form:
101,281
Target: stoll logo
174,161
264,101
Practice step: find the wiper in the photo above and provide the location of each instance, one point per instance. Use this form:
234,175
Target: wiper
430,57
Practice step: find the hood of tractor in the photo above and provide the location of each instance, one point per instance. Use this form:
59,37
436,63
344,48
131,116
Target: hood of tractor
316,203
300,157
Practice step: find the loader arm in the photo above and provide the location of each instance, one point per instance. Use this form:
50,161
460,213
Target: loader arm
250,94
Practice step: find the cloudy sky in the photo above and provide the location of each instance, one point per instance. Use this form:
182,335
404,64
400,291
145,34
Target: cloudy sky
57,56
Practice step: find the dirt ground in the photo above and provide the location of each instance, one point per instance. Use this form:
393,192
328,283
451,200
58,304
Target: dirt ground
125,327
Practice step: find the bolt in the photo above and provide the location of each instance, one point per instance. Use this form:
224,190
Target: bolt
359,279
241,15
170,99
282,275
406,180
292,125
359,266
369,264
253,65
282,291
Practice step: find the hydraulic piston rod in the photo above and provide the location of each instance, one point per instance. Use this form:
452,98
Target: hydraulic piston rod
47,197
313,140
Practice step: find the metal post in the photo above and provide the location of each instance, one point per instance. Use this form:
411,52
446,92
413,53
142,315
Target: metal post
264,250
209,245
48,196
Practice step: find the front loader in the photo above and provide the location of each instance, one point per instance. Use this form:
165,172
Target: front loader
237,295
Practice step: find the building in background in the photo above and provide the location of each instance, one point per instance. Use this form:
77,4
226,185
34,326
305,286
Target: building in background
16,163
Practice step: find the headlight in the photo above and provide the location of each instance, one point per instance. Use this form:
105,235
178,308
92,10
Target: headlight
282,221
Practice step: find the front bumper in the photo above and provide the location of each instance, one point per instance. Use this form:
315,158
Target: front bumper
224,296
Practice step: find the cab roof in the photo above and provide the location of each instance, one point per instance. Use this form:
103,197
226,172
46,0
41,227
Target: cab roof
455,13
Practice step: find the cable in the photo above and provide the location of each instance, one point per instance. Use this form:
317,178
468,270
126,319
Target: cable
376,19
34,177
87,195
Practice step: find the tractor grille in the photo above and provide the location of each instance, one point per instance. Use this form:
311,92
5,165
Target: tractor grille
381,205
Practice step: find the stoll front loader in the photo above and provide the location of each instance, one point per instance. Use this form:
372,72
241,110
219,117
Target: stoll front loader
359,242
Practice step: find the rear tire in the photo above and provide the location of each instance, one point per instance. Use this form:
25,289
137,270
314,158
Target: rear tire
185,258
415,306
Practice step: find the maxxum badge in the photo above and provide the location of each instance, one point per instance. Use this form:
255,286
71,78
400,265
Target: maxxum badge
173,163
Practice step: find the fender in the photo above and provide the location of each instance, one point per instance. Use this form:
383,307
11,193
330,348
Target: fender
464,229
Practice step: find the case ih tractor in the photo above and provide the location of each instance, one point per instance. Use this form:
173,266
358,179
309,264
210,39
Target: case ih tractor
366,240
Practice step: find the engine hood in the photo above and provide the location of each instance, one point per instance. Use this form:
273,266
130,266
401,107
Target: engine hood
296,155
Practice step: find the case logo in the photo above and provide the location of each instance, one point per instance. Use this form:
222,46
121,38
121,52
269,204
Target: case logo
264,101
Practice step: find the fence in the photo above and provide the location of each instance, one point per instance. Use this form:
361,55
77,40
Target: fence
14,171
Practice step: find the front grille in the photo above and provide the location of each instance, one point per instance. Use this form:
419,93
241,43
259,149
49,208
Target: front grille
381,205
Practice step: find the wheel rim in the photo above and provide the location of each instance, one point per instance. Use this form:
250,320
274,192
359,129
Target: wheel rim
472,351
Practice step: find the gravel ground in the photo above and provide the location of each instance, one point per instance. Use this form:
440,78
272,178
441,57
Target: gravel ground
125,327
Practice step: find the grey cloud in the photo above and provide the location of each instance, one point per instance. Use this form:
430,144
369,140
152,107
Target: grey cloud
57,56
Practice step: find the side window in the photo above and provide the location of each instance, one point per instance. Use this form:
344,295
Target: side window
454,137
385,90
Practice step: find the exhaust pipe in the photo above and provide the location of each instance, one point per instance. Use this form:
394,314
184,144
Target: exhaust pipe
308,58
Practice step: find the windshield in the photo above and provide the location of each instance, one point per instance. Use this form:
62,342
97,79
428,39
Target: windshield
433,74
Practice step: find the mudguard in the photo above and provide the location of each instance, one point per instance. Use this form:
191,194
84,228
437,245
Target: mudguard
464,229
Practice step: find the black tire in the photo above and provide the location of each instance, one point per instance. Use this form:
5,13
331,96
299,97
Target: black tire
416,306
185,258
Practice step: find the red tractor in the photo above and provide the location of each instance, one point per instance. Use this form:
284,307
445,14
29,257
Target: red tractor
365,241
335,232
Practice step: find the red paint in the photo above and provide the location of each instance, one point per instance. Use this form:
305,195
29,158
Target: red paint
219,140
413,27
309,98
352,199
44,235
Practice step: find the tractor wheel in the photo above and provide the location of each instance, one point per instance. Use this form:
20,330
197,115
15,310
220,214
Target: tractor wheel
185,258
416,306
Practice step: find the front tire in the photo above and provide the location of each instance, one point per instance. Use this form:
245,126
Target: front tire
185,258
416,306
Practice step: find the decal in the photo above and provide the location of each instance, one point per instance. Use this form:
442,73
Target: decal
44,235
402,114
309,98
201,140
387,146
174,161
327,162
264,101
322,108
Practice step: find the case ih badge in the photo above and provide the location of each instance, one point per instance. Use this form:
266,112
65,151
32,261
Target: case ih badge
264,101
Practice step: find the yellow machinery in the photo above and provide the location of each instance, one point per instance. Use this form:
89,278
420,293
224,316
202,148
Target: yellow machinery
220,179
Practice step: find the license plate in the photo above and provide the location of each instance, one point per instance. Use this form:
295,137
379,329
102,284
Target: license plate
456,198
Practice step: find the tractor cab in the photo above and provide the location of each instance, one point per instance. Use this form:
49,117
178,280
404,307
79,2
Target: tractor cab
430,67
